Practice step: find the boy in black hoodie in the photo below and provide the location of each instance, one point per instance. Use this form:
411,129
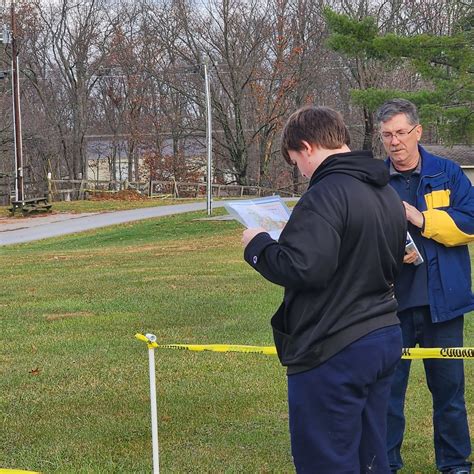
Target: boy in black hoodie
336,331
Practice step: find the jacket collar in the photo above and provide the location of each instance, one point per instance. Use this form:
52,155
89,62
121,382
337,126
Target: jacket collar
430,164
393,171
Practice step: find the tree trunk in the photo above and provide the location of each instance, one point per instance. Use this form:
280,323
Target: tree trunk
368,130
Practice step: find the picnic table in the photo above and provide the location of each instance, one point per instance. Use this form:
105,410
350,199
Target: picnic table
30,206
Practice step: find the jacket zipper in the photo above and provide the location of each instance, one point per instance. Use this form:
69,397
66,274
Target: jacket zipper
421,181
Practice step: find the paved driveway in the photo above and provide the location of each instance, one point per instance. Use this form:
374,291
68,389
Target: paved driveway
15,231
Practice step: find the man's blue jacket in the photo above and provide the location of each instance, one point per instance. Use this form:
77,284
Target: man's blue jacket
445,196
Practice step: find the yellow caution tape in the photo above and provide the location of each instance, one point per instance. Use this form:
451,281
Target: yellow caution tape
438,353
150,342
408,353
267,350
16,471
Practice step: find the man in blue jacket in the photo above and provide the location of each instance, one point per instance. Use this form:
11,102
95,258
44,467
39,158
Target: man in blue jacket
432,296
336,330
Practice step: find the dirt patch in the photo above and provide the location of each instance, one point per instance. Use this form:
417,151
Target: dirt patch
124,195
57,317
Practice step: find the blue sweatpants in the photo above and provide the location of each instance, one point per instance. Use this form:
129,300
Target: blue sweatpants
338,410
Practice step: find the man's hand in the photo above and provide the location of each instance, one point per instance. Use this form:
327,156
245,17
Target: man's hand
414,215
249,234
410,257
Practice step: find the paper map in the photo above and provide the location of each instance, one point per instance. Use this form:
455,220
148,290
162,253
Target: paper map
271,213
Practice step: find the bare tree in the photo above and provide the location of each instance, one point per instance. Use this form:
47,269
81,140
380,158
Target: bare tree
231,36
64,57
132,71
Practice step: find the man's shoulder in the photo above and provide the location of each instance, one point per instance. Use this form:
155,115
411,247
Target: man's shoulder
460,154
432,163
428,155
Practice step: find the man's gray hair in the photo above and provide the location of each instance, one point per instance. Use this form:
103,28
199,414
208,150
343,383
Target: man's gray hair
394,107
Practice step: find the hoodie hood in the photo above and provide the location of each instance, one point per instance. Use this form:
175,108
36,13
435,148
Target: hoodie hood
360,164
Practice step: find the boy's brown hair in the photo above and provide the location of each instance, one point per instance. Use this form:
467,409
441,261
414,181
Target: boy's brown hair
321,126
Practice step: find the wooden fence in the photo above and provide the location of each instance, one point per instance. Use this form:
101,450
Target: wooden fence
81,189
31,189
72,190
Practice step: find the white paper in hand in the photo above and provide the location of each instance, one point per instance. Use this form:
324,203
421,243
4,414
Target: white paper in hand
410,246
270,213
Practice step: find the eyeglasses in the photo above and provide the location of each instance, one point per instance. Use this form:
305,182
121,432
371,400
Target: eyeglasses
400,134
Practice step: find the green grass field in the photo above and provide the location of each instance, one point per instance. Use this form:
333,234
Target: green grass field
74,386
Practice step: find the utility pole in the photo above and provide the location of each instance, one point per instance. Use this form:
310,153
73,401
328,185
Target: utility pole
209,141
19,183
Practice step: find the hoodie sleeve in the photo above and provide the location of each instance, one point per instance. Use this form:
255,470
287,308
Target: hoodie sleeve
306,255
449,218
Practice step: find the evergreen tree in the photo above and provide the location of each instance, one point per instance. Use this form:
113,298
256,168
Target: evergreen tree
445,63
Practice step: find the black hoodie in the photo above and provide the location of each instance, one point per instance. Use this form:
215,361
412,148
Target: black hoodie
337,258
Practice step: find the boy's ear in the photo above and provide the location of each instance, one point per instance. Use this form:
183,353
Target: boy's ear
307,147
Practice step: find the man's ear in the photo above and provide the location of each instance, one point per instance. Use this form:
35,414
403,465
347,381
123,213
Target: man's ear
419,132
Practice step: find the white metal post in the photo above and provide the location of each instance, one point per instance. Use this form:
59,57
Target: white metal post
18,145
154,412
209,141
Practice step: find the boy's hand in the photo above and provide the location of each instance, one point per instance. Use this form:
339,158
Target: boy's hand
249,234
